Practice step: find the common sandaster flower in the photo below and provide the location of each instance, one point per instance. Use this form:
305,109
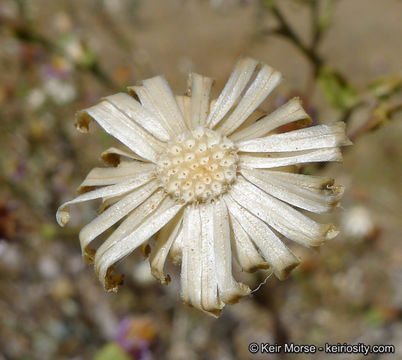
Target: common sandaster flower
210,179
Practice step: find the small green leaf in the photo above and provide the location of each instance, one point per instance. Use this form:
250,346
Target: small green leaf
111,351
384,88
339,93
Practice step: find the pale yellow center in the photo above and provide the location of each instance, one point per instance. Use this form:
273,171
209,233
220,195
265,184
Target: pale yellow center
198,166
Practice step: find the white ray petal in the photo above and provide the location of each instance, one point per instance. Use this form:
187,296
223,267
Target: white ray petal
113,214
280,216
317,184
176,251
105,259
133,220
287,113
200,90
230,291
150,104
138,113
109,201
255,115
266,80
244,250
315,137
272,160
184,103
293,194
166,237
164,103
209,297
191,268
275,252
113,156
122,128
114,175
62,214
237,82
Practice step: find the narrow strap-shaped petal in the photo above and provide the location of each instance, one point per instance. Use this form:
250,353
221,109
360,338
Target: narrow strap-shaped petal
138,113
230,291
191,268
255,115
319,184
109,201
244,250
200,90
113,214
184,103
164,103
280,216
272,160
315,137
266,80
107,258
113,156
293,194
275,252
166,237
237,82
63,215
122,128
133,220
209,297
150,104
114,175
287,113
176,250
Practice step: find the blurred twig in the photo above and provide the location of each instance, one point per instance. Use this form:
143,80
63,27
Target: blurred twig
315,19
287,31
25,33
336,87
381,115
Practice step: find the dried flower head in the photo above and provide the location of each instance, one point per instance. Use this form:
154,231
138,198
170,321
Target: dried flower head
209,179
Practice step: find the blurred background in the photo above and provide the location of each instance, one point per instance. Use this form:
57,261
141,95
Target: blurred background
343,58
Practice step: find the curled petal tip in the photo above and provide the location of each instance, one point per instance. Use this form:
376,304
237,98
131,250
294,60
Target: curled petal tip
89,255
164,279
284,273
82,121
112,281
234,298
62,217
332,232
215,313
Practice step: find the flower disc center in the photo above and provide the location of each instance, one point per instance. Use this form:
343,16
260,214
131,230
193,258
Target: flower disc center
198,166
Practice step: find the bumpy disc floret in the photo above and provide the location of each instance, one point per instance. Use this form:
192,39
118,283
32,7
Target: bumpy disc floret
198,166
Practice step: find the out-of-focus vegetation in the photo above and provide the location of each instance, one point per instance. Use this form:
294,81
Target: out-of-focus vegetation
56,57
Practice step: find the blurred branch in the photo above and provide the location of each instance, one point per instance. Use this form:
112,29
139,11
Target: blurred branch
315,20
336,87
24,32
287,31
381,115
